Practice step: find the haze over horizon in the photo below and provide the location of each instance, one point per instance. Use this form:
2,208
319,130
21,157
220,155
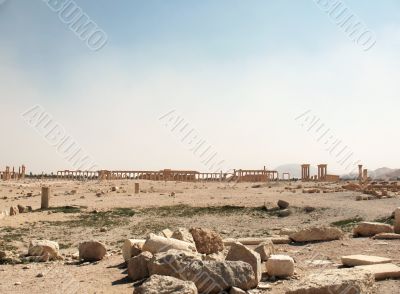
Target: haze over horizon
238,72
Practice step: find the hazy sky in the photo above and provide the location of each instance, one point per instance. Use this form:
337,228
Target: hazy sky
238,72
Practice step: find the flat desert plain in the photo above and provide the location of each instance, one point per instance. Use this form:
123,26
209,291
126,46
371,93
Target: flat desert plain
91,210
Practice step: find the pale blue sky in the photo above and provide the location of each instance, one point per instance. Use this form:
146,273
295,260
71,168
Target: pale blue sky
238,71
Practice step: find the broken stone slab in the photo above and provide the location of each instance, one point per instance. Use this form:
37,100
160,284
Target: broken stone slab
165,285
280,266
265,249
92,251
131,248
257,241
317,234
335,281
183,234
356,260
239,252
382,271
287,231
46,249
370,229
387,236
167,233
138,266
397,220
209,276
156,244
207,241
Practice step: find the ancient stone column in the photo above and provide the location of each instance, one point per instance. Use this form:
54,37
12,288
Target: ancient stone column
397,220
137,188
365,175
360,172
45,197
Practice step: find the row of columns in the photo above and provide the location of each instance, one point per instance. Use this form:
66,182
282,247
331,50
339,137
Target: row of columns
322,172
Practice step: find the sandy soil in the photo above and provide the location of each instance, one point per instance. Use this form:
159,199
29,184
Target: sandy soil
234,211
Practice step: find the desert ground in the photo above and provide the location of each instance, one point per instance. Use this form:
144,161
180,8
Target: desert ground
89,210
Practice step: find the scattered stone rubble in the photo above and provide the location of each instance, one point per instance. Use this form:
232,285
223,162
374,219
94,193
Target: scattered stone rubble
200,261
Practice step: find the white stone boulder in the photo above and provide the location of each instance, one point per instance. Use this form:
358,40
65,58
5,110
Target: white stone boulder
131,248
207,241
370,229
183,234
209,276
156,244
46,249
239,252
165,285
265,249
92,251
280,266
138,266
317,234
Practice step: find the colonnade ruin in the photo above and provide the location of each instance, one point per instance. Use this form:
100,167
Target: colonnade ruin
240,175
322,175
7,174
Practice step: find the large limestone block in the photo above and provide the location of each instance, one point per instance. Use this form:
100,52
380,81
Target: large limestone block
382,271
317,234
138,266
209,276
280,266
170,263
155,244
92,251
166,285
49,250
183,234
370,229
397,220
131,248
239,252
355,260
335,281
207,241
265,249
